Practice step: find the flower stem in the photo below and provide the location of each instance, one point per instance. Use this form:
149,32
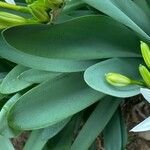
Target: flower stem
141,83
14,7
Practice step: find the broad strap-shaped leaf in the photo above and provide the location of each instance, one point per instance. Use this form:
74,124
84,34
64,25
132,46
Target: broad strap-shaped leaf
115,137
51,102
2,76
96,123
143,126
5,130
126,12
93,146
2,96
72,15
81,13
63,140
73,5
42,63
5,144
38,138
101,37
95,76
2,102
148,2
4,67
63,18
37,76
11,83
146,93
143,4
123,131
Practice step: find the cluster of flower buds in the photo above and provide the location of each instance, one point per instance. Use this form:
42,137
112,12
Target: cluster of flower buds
120,80
39,11
8,19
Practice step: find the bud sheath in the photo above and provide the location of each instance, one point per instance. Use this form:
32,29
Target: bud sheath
145,53
8,19
39,13
145,75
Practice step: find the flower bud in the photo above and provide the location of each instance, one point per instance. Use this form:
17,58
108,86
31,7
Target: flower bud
145,75
145,53
8,19
39,13
117,79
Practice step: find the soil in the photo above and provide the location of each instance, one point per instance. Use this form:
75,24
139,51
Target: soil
134,110
19,142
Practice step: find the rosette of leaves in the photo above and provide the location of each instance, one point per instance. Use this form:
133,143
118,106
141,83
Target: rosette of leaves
53,72
119,80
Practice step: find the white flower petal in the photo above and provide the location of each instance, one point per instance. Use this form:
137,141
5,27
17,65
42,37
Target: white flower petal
146,93
143,126
10,1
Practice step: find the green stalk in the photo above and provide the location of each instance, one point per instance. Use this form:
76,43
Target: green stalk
141,83
14,7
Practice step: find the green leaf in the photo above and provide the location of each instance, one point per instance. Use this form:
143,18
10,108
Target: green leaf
93,146
41,63
81,13
113,133
73,5
124,132
62,18
53,101
11,83
96,123
5,144
2,96
143,4
37,76
148,2
126,12
5,130
56,41
38,138
95,76
63,140
72,15
2,102
2,76
4,66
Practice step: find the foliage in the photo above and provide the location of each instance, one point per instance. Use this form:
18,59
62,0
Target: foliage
54,58
120,80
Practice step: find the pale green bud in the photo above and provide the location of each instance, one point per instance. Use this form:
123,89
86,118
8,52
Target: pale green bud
145,53
145,75
39,13
117,79
8,20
